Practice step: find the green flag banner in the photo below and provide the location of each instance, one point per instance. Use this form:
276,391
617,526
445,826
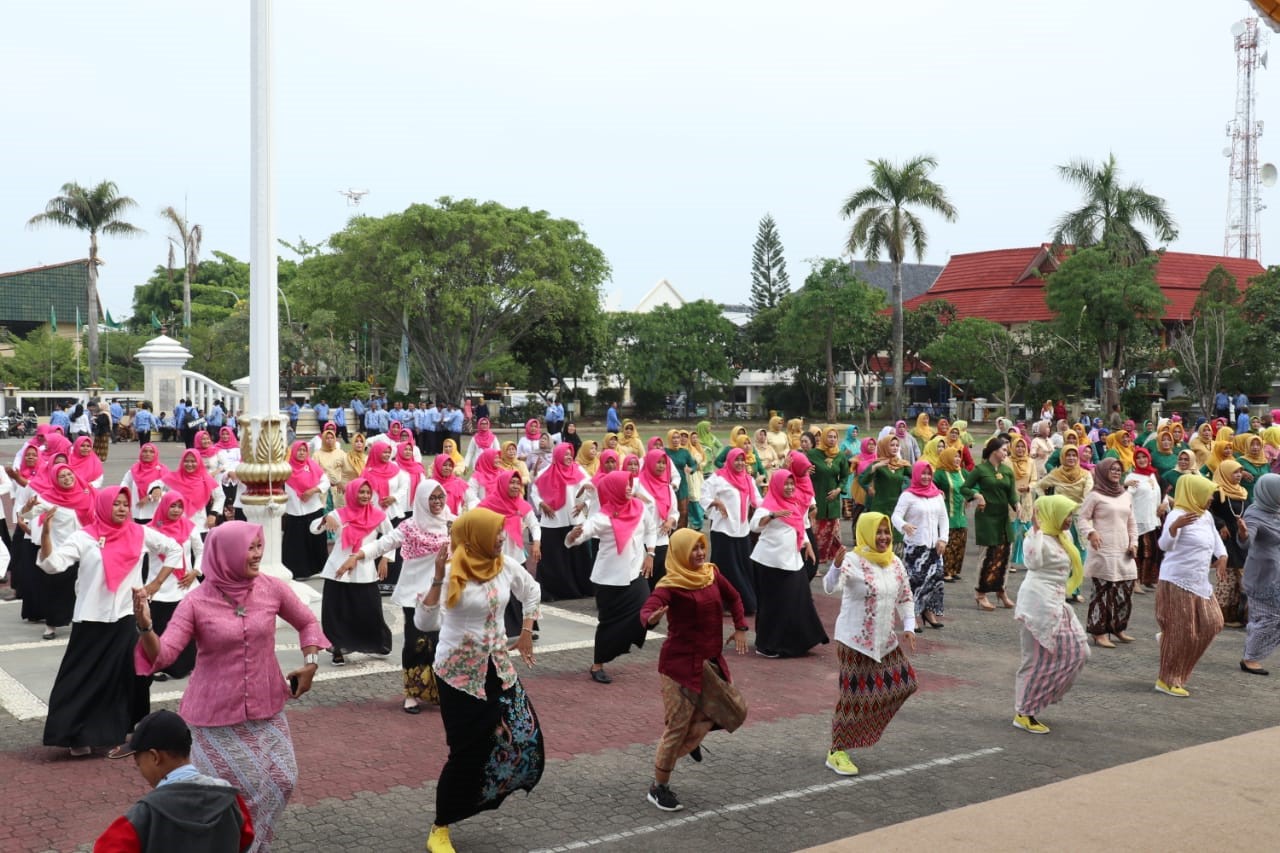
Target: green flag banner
155,322
53,319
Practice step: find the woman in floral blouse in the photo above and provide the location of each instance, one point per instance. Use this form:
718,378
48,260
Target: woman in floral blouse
875,676
495,742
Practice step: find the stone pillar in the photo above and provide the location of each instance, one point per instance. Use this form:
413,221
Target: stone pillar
163,360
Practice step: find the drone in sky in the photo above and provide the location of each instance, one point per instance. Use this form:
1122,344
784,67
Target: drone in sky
354,196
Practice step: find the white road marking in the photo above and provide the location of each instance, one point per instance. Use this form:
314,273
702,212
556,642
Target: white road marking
18,700
769,799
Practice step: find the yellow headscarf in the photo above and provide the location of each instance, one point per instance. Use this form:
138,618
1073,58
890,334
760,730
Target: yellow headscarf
1202,445
1271,436
679,573
474,558
775,424
1193,493
895,460
1064,473
829,451
1224,433
357,458
739,437
609,435
1124,452
1220,452
922,430
1022,466
868,524
1222,478
1243,447
450,447
589,463
949,459
1052,512
932,452
795,428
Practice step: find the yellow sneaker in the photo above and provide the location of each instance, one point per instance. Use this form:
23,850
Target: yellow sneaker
438,841
839,761
1170,690
1030,724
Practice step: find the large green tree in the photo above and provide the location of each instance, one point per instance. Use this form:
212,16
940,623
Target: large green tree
1209,346
467,281
830,317
1112,212
43,361
99,209
770,284
689,349
885,221
1113,308
983,353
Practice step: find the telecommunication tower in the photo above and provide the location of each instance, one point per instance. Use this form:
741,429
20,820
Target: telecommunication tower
1244,202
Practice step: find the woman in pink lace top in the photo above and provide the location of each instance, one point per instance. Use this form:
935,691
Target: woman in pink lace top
235,700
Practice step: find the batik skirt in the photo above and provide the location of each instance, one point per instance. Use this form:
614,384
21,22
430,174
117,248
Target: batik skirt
256,757
871,692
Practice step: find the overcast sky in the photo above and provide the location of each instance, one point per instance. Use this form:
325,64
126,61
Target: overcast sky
667,129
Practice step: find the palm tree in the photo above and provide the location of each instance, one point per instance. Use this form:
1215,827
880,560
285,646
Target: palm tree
883,222
98,210
189,236
1111,213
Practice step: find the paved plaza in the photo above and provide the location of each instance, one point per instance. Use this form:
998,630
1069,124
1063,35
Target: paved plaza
367,770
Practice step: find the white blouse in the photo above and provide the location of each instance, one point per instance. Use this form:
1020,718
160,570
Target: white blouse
929,515
1042,598
717,488
872,597
515,550
612,568
94,602
144,509
1145,490
416,573
651,509
563,517
295,505
366,570
192,553
1189,553
776,546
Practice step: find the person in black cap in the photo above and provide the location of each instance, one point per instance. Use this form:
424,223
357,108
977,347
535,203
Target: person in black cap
186,810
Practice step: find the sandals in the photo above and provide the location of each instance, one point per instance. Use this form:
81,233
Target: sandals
983,603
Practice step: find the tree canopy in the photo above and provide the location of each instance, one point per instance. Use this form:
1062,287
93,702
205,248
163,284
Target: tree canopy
1112,212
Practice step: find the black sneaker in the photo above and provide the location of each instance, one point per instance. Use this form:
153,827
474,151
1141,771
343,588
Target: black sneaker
696,754
663,797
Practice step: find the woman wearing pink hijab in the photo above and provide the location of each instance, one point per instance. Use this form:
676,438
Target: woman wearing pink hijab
921,516
527,446
96,696
235,700
563,572
624,561
85,462
787,622
65,504
303,551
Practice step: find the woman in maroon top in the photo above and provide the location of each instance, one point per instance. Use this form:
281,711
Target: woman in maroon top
696,693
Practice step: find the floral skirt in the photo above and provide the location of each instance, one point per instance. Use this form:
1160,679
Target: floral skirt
495,748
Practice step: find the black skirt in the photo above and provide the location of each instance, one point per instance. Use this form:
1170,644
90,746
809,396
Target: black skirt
395,564
659,566
304,553
26,577
161,613
495,749
787,622
351,617
561,569
732,556
96,696
619,628
57,595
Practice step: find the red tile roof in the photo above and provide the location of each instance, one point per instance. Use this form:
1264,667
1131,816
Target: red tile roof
1000,285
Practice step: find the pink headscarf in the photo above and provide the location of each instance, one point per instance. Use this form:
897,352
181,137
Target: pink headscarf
740,480
655,443
195,486
79,497
121,544
306,473
484,437
411,466
532,429
143,473
178,530
28,471
802,467
624,513
553,484
922,480
227,439
211,450
659,486
486,470
89,467
359,520
866,454
455,488
381,467
776,501
55,442
601,473
512,510
226,554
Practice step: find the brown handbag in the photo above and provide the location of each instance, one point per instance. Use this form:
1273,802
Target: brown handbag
721,701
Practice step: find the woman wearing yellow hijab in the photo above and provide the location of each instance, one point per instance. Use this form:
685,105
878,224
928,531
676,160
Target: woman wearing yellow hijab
949,477
1247,449
1188,615
1120,446
778,439
449,447
629,441
1024,477
1054,649
1227,508
795,428
875,676
480,692
1219,451
932,451
697,692
1202,444
589,457
922,432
